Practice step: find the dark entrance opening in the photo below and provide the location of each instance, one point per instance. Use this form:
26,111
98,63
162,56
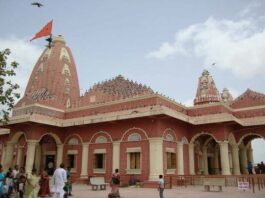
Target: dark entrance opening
49,164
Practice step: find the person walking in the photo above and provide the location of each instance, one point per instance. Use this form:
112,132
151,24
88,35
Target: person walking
161,186
250,168
59,180
44,185
69,181
2,181
115,183
32,184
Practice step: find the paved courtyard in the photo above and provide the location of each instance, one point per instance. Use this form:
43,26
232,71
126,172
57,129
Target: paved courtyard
84,191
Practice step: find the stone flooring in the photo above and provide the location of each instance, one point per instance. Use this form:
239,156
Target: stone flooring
84,191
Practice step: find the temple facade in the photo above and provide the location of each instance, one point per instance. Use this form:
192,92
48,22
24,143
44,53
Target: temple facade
122,124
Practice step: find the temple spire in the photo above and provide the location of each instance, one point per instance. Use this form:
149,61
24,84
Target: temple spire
54,80
206,91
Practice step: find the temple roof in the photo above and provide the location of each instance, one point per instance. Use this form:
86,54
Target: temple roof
114,89
249,98
53,80
206,91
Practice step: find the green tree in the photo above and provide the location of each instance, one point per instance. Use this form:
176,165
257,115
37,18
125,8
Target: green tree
8,93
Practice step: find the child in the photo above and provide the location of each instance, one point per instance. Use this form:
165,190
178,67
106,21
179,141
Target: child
65,188
21,185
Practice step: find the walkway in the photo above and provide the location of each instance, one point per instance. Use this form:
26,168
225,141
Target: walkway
84,191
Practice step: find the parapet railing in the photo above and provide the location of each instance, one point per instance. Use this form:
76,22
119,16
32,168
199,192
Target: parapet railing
256,182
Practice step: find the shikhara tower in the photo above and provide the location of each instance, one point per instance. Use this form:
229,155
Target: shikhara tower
122,124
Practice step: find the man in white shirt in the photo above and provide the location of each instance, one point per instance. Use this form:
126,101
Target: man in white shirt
59,180
161,186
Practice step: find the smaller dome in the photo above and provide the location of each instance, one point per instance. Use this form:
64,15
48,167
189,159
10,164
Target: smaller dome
226,96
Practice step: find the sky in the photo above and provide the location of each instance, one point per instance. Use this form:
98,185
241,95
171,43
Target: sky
165,44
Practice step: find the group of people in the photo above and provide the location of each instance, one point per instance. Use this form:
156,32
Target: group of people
258,169
31,185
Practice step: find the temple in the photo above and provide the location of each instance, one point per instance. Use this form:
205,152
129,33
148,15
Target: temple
123,124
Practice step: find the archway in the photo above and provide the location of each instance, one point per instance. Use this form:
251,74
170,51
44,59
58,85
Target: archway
46,153
206,154
249,144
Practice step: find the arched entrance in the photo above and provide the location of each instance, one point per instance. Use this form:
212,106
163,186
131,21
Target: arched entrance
46,155
206,154
246,151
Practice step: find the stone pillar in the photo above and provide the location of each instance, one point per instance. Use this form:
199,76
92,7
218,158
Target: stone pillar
115,156
19,155
243,159
216,161
3,155
84,166
205,160
156,158
38,157
235,157
250,154
180,158
59,154
9,155
191,159
224,158
31,145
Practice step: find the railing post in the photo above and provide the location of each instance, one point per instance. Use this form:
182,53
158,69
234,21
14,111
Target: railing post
170,182
258,183
253,184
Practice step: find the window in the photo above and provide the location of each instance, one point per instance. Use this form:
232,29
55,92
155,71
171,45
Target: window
101,139
73,141
169,138
71,161
135,160
134,137
171,160
99,161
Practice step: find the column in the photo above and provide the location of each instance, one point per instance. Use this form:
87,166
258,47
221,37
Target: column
19,155
3,154
59,154
8,155
84,166
31,144
156,158
235,157
180,158
205,160
115,156
224,158
38,157
191,159
216,161
243,159
250,154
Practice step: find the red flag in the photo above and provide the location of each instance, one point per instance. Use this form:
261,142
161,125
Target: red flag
45,31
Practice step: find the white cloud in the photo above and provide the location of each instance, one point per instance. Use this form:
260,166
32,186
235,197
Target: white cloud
252,5
234,45
23,52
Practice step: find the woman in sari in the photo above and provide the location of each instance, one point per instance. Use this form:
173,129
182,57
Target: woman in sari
44,185
32,185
